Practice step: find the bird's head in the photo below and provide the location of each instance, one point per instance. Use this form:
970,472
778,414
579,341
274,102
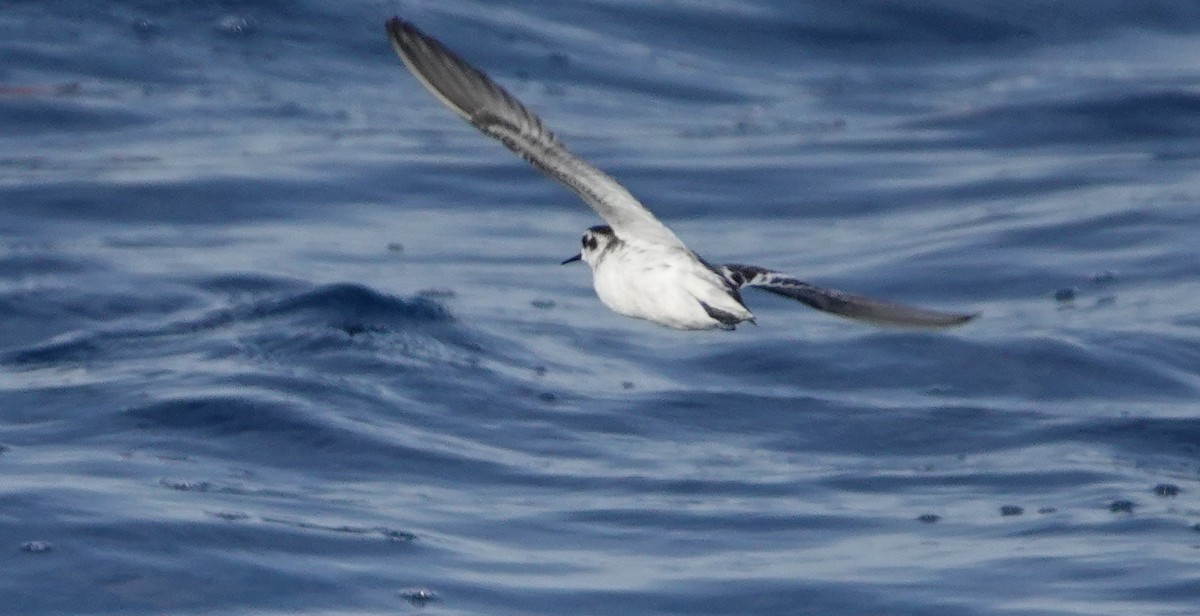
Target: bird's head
594,242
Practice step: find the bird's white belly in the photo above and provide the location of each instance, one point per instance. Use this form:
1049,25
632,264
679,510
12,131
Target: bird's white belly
666,289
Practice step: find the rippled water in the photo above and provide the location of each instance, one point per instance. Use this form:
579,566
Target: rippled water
280,335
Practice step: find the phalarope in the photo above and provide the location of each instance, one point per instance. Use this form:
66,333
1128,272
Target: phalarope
639,267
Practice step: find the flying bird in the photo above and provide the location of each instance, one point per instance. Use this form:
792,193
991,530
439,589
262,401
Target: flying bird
639,267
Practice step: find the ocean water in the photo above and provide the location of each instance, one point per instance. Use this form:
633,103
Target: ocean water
280,335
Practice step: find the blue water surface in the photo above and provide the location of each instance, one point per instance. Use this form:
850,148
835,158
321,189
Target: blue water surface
280,335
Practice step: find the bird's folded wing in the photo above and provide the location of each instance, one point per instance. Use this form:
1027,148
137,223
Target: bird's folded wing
840,303
479,100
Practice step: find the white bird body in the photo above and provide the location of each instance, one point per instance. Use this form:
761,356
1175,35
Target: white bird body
639,267
664,284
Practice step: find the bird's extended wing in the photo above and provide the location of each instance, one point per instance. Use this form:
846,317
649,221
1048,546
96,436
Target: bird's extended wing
479,100
840,303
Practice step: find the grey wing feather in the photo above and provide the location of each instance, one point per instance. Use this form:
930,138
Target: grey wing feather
840,303
479,100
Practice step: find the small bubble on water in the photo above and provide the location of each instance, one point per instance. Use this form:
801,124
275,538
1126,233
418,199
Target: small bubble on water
36,547
1066,294
398,536
230,516
1122,506
420,597
146,29
185,486
233,25
1166,490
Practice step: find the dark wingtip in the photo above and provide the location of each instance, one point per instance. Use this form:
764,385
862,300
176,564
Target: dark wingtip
395,23
396,28
968,317
939,320
401,31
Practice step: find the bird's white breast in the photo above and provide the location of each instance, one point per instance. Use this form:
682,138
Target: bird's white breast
662,284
